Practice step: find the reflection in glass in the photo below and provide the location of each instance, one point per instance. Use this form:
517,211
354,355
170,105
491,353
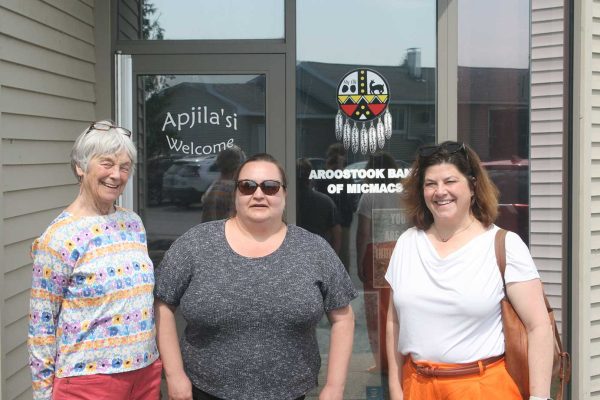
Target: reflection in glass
493,99
397,40
201,19
193,132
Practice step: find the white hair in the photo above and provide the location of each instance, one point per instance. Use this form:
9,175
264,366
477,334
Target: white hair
96,143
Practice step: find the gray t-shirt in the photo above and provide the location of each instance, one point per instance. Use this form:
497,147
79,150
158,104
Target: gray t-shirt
251,321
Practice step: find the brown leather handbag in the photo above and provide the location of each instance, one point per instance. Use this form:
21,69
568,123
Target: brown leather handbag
515,337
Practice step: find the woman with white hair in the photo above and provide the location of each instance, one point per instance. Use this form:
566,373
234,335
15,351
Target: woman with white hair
91,327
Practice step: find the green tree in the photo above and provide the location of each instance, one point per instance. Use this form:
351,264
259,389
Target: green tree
151,29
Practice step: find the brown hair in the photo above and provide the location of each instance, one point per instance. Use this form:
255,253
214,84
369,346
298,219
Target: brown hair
229,159
262,157
485,198
381,160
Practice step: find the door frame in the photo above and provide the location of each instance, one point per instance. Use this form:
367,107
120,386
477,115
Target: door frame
270,65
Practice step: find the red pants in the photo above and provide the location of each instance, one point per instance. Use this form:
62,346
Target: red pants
141,384
376,302
493,384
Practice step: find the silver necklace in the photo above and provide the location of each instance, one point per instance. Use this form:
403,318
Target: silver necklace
453,233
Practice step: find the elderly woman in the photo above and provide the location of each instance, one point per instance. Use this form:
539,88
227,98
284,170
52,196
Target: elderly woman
252,290
444,331
91,329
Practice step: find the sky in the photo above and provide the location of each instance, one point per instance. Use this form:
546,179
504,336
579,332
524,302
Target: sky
491,33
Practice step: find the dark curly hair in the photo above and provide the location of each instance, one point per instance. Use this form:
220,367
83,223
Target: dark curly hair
485,199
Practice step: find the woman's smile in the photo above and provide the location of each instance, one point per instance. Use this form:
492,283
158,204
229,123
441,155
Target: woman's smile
447,192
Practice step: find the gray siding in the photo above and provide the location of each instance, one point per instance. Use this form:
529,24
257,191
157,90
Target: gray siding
47,95
546,158
593,90
130,19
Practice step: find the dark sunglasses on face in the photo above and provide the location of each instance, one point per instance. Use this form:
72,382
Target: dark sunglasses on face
449,147
101,126
268,187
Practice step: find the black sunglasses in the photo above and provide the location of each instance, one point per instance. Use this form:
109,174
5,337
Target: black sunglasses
101,126
448,147
268,187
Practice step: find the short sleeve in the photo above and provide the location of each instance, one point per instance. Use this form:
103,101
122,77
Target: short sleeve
337,288
519,263
174,273
392,270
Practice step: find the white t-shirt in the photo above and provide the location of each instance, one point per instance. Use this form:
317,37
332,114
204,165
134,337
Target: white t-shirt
449,308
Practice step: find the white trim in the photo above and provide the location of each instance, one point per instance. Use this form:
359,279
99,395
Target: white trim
124,111
447,71
581,176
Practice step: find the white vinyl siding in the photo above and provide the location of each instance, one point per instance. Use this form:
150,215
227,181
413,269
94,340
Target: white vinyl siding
547,133
47,96
594,212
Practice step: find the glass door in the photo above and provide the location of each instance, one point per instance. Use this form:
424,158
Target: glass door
363,107
196,118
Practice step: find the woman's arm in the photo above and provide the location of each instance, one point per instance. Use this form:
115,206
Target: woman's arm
340,350
395,359
178,383
528,300
49,280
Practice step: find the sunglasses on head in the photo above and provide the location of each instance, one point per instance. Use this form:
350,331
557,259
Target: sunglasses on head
448,147
101,126
268,187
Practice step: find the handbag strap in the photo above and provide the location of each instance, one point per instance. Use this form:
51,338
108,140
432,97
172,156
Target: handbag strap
500,247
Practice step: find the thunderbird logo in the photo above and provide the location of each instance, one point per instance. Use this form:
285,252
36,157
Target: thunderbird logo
363,120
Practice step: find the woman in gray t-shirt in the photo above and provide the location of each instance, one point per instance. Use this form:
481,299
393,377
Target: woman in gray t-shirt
252,290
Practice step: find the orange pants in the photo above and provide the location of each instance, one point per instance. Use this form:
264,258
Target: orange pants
493,384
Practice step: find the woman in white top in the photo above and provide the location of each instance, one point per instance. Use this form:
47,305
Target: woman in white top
444,313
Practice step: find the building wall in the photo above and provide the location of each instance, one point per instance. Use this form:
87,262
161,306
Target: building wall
47,94
546,156
585,245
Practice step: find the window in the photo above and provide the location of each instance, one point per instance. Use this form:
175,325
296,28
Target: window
200,19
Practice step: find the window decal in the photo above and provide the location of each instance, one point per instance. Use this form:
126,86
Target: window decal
363,120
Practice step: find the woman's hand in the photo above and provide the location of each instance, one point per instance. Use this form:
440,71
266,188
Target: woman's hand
179,387
396,396
331,392
178,384
340,351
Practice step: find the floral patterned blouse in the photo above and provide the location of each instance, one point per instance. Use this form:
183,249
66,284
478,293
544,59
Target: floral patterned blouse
91,299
